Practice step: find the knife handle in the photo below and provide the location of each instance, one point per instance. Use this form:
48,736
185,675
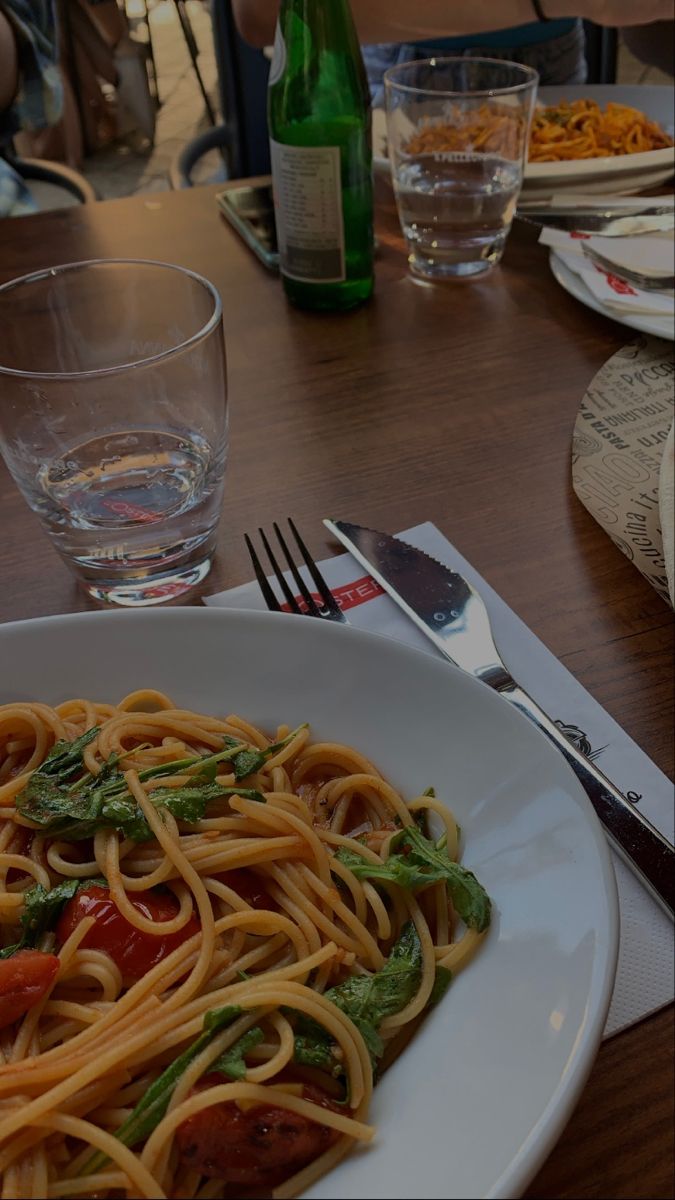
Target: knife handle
646,851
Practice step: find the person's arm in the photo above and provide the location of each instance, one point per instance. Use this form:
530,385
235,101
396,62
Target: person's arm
9,64
30,82
403,20
653,44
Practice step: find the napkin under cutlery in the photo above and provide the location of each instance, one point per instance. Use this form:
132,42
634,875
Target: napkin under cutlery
646,967
644,252
653,254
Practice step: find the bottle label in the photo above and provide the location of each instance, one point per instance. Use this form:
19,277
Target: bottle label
278,64
308,208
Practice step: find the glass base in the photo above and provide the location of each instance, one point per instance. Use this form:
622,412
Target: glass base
149,589
438,271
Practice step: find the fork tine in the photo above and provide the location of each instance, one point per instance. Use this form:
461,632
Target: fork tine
288,595
312,606
322,587
268,595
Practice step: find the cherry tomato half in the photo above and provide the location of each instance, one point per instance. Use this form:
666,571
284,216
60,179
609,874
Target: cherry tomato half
24,979
257,1148
248,886
134,951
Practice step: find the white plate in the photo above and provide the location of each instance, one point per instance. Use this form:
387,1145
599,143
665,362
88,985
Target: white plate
609,176
659,326
478,1099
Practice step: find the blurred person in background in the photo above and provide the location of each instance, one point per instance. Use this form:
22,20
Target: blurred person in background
31,92
550,40
653,45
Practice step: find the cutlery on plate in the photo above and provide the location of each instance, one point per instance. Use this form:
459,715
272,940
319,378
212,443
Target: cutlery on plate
609,223
453,615
648,283
329,608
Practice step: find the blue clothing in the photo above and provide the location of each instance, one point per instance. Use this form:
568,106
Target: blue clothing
517,35
39,99
553,48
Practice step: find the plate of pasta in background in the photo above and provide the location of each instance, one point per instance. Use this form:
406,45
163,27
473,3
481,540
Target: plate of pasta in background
600,138
585,138
288,909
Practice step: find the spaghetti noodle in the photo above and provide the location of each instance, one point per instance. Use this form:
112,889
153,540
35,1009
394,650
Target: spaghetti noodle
213,942
570,130
581,129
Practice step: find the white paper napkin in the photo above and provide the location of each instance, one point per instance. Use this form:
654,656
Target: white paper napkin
647,250
646,968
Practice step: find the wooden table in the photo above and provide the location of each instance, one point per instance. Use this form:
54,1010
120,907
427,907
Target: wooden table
452,404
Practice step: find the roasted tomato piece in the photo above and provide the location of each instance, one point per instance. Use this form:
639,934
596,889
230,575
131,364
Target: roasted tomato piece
25,977
134,950
247,885
257,1148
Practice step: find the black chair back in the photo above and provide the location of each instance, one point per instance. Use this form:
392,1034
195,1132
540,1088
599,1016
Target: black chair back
242,80
602,46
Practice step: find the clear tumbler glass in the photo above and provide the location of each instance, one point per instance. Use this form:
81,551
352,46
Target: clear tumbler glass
113,420
457,132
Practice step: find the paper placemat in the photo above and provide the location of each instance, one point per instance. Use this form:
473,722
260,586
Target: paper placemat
618,454
646,967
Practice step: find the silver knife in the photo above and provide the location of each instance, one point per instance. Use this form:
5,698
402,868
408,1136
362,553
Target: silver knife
453,615
598,221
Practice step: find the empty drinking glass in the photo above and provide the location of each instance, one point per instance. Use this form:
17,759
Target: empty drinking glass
457,131
113,420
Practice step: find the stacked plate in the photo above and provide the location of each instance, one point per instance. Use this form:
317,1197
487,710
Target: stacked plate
625,174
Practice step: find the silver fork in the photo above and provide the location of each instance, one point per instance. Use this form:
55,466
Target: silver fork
648,283
328,610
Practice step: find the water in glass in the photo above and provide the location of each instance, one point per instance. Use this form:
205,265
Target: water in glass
456,210
134,501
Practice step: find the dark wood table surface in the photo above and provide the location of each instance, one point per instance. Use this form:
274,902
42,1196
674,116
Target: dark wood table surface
453,404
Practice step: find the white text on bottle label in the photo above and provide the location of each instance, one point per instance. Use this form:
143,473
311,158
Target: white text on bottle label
308,207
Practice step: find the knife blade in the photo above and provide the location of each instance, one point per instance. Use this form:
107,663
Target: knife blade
454,617
594,221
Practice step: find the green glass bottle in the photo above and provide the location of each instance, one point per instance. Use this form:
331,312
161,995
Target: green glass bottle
320,136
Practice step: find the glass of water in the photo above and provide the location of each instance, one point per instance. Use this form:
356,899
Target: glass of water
113,420
457,133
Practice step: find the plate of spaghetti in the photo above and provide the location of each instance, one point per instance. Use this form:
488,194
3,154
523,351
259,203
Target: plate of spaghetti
600,138
590,138
244,955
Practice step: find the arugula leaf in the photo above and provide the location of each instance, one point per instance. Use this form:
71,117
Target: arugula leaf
251,759
187,804
395,869
316,1049
65,759
415,861
232,1062
42,910
152,1107
247,762
366,1000
76,811
50,807
441,984
469,897
371,998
